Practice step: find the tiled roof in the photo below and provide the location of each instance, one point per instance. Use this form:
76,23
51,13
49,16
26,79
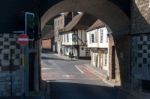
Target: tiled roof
97,24
80,21
47,32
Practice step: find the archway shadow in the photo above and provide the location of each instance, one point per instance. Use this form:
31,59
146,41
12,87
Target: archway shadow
66,90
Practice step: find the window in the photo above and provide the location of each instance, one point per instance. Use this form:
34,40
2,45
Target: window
96,36
101,36
92,38
67,37
105,59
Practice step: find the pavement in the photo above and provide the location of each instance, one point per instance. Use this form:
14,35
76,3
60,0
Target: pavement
68,79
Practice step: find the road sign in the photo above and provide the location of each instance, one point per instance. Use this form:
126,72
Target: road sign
23,39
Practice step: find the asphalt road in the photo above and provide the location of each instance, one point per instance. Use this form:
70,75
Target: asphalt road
70,80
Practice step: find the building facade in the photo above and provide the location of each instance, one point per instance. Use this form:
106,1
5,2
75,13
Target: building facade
59,23
74,36
75,42
98,42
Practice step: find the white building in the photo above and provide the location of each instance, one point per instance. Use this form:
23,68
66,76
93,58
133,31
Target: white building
98,42
74,36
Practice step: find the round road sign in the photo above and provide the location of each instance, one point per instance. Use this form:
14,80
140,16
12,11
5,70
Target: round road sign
23,39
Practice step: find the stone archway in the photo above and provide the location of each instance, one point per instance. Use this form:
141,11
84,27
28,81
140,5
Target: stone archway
105,10
112,16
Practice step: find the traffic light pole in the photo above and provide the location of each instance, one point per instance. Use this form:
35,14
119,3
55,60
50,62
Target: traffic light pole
26,61
26,69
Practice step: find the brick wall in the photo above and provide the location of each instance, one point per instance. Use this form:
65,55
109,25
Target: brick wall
11,71
46,44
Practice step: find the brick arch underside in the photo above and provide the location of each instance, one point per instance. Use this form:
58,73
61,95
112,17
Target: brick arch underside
106,11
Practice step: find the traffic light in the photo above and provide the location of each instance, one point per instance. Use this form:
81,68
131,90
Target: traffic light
31,25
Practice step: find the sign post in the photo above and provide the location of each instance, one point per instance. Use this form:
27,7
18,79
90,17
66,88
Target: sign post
23,41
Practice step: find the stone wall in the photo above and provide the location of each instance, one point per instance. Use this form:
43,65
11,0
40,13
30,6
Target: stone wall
11,70
140,14
140,49
140,56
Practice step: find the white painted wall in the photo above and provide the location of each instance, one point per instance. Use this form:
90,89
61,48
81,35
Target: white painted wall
97,38
81,37
104,43
67,38
81,40
97,60
101,41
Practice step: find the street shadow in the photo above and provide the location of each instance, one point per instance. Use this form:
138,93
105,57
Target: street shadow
44,50
51,58
85,58
65,90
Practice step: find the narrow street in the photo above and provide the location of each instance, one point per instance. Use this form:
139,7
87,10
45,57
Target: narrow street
70,80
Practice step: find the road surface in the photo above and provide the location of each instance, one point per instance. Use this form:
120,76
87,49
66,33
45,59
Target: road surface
71,80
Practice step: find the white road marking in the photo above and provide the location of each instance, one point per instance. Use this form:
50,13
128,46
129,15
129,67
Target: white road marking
67,76
82,72
46,68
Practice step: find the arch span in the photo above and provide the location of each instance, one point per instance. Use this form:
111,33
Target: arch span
105,10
